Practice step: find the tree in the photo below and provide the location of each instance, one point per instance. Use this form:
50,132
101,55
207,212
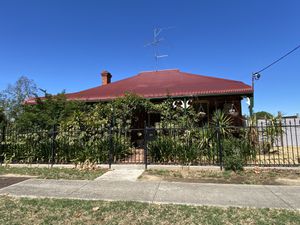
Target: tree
176,115
13,97
48,111
263,115
126,111
2,118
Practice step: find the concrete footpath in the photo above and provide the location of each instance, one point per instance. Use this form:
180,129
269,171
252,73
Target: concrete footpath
260,196
122,174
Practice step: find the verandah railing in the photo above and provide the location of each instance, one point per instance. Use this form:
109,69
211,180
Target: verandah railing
261,145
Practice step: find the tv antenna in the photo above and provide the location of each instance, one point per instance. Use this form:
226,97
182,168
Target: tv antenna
155,44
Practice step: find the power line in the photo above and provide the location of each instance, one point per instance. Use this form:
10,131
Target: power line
276,61
256,75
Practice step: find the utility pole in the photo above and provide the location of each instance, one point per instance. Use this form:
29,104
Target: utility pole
255,76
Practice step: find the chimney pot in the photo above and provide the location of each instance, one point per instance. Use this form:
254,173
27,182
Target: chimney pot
106,77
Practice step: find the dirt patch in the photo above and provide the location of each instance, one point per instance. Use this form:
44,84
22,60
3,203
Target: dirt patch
7,181
287,181
249,176
151,178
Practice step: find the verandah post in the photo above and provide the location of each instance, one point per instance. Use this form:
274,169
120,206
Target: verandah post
53,134
110,147
145,145
2,144
110,133
219,145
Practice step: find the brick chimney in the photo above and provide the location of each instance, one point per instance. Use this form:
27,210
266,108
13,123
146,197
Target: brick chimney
106,77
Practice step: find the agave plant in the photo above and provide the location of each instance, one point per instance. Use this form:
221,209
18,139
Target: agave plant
223,122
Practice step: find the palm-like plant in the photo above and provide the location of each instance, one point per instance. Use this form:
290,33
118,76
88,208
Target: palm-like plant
272,132
222,122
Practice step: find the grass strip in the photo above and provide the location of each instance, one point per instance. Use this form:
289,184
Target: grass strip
61,211
53,173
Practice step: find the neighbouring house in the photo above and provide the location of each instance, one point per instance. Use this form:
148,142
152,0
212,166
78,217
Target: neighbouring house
206,94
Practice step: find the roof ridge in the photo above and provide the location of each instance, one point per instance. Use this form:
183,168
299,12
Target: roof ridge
151,71
212,77
107,85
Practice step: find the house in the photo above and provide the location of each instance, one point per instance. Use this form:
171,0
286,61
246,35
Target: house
204,93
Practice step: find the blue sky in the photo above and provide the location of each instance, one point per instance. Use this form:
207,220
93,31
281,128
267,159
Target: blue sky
65,44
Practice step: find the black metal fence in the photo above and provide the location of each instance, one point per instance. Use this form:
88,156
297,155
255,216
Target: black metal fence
264,144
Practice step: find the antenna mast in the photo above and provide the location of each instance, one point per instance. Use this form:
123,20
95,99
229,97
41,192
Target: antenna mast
155,43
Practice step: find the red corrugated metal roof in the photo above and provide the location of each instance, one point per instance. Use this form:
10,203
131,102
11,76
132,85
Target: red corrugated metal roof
163,83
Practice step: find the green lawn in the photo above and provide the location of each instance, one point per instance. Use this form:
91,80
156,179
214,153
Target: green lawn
53,173
248,176
57,211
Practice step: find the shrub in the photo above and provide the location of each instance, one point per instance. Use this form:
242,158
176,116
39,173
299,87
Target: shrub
75,145
184,147
233,162
163,149
98,152
29,147
93,145
236,152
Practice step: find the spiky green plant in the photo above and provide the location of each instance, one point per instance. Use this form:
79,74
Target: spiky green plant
222,122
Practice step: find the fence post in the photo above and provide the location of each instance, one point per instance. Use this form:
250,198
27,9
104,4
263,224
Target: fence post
53,133
2,144
219,146
110,147
145,145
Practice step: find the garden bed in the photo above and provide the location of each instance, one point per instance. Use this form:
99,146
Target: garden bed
248,176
